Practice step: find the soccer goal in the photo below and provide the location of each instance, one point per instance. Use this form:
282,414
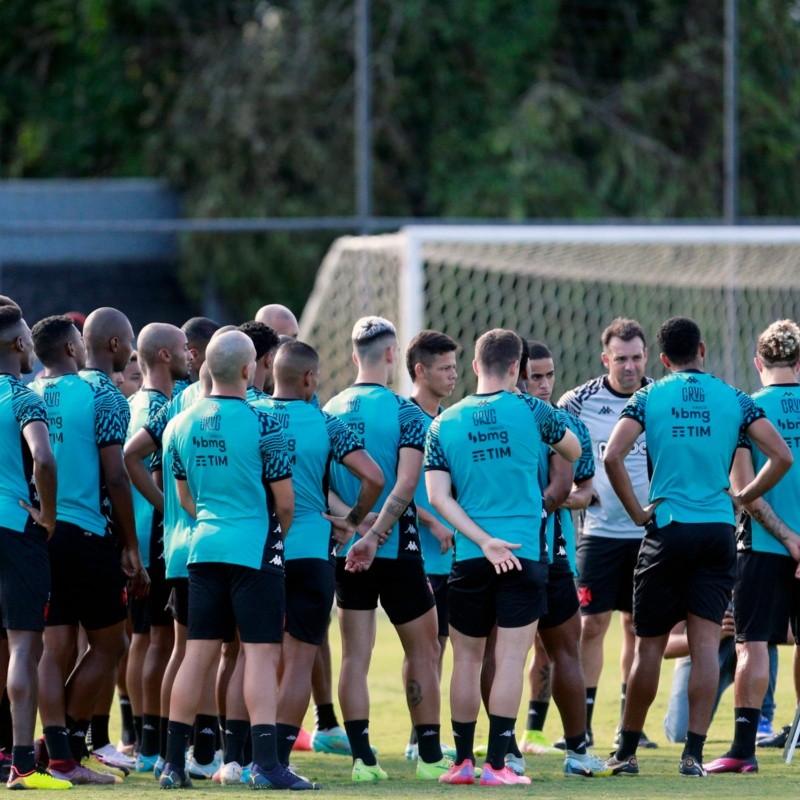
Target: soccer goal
558,284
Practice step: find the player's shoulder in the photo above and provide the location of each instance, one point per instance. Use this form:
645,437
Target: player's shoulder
25,403
575,399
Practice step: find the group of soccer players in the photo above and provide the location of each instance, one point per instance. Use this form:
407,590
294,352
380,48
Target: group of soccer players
191,496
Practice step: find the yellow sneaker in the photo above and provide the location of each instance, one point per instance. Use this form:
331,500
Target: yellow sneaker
96,765
37,779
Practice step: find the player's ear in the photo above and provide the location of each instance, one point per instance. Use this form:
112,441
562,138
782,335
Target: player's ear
759,364
606,360
664,360
475,366
701,350
419,369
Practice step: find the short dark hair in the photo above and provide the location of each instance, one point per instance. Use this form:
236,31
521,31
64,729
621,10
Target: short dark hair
425,346
625,329
199,330
293,359
10,315
50,335
7,301
264,338
497,349
679,339
537,350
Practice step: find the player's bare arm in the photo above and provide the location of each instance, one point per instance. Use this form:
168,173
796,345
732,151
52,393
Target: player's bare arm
139,447
779,460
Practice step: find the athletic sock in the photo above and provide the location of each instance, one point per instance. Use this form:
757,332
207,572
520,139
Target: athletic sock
151,730
138,723
76,729
236,732
576,743
219,734
248,748
57,741
22,758
513,747
464,739
204,738
591,693
128,735
537,714
623,691
325,716
628,742
694,745
501,730
99,728
745,728
287,736
163,723
358,736
430,747
265,746
177,739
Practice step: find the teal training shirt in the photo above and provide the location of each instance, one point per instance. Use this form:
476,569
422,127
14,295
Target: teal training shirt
781,404
383,423
82,419
19,406
314,439
491,446
693,423
229,452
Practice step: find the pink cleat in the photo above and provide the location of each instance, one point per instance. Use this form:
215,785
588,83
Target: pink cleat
729,764
501,777
459,774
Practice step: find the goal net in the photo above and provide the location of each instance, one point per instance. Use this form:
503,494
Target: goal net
559,284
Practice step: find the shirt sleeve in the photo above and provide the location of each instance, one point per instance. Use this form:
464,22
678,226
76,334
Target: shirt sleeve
750,411
435,458
272,445
552,425
636,407
584,467
156,424
412,426
109,425
343,441
28,406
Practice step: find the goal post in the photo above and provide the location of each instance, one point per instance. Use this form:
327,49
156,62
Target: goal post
561,284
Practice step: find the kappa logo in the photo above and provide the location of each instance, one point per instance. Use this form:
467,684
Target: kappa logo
584,596
742,719
509,733
412,546
277,561
606,410
411,530
277,546
409,512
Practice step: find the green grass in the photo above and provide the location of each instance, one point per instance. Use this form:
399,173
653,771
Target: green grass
389,726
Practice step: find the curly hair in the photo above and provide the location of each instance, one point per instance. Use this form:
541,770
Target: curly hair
779,344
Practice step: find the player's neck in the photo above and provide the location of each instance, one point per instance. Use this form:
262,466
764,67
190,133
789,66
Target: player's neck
61,369
160,379
287,392
10,366
222,389
260,377
372,375
100,361
429,402
779,375
491,384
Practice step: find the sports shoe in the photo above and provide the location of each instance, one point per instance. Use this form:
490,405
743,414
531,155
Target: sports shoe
412,752
202,772
228,774
172,778
501,777
146,763
434,771
332,740
303,741
364,774
462,774
764,728
692,768
730,764
561,744
622,766
82,776
246,770
778,739
278,778
534,743
515,763
584,765
481,750
109,754
96,765
35,779
5,766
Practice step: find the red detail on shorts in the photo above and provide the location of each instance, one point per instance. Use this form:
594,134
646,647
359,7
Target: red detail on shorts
46,609
584,596
124,596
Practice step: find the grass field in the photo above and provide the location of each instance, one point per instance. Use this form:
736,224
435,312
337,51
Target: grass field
389,728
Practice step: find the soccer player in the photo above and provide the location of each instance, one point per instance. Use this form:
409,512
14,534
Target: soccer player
431,364
485,451
765,595
129,381
392,430
279,318
687,561
266,342
234,477
609,543
28,506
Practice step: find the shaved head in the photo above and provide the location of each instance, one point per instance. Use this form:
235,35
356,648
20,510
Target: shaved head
109,330
158,336
227,354
292,361
279,318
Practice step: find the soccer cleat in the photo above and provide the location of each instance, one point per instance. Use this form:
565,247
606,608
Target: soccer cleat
80,775
515,763
692,768
434,771
109,754
279,778
585,765
173,778
646,743
622,766
202,772
412,752
481,750
159,767
35,779
96,764
764,728
730,764
228,774
534,743
332,740
303,741
462,774
501,777
146,763
245,779
365,774
777,739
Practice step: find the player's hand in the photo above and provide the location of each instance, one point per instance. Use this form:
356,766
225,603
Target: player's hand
40,519
361,554
648,512
498,553
792,544
342,530
443,535
728,629
367,523
736,499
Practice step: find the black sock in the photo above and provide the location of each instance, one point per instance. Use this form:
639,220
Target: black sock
358,736
745,729
430,746
57,741
137,731
219,734
204,738
248,749
287,736
265,746
77,737
537,714
151,734
501,730
325,717
99,730
591,693
576,743
412,737
22,759
177,738
128,734
163,722
464,736
622,693
513,747
628,742
695,741
236,731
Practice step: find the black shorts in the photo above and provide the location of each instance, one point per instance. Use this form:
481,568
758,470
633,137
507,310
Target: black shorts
24,578
683,568
87,584
401,586
766,597
562,598
439,587
605,573
153,609
179,600
309,598
479,598
226,597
